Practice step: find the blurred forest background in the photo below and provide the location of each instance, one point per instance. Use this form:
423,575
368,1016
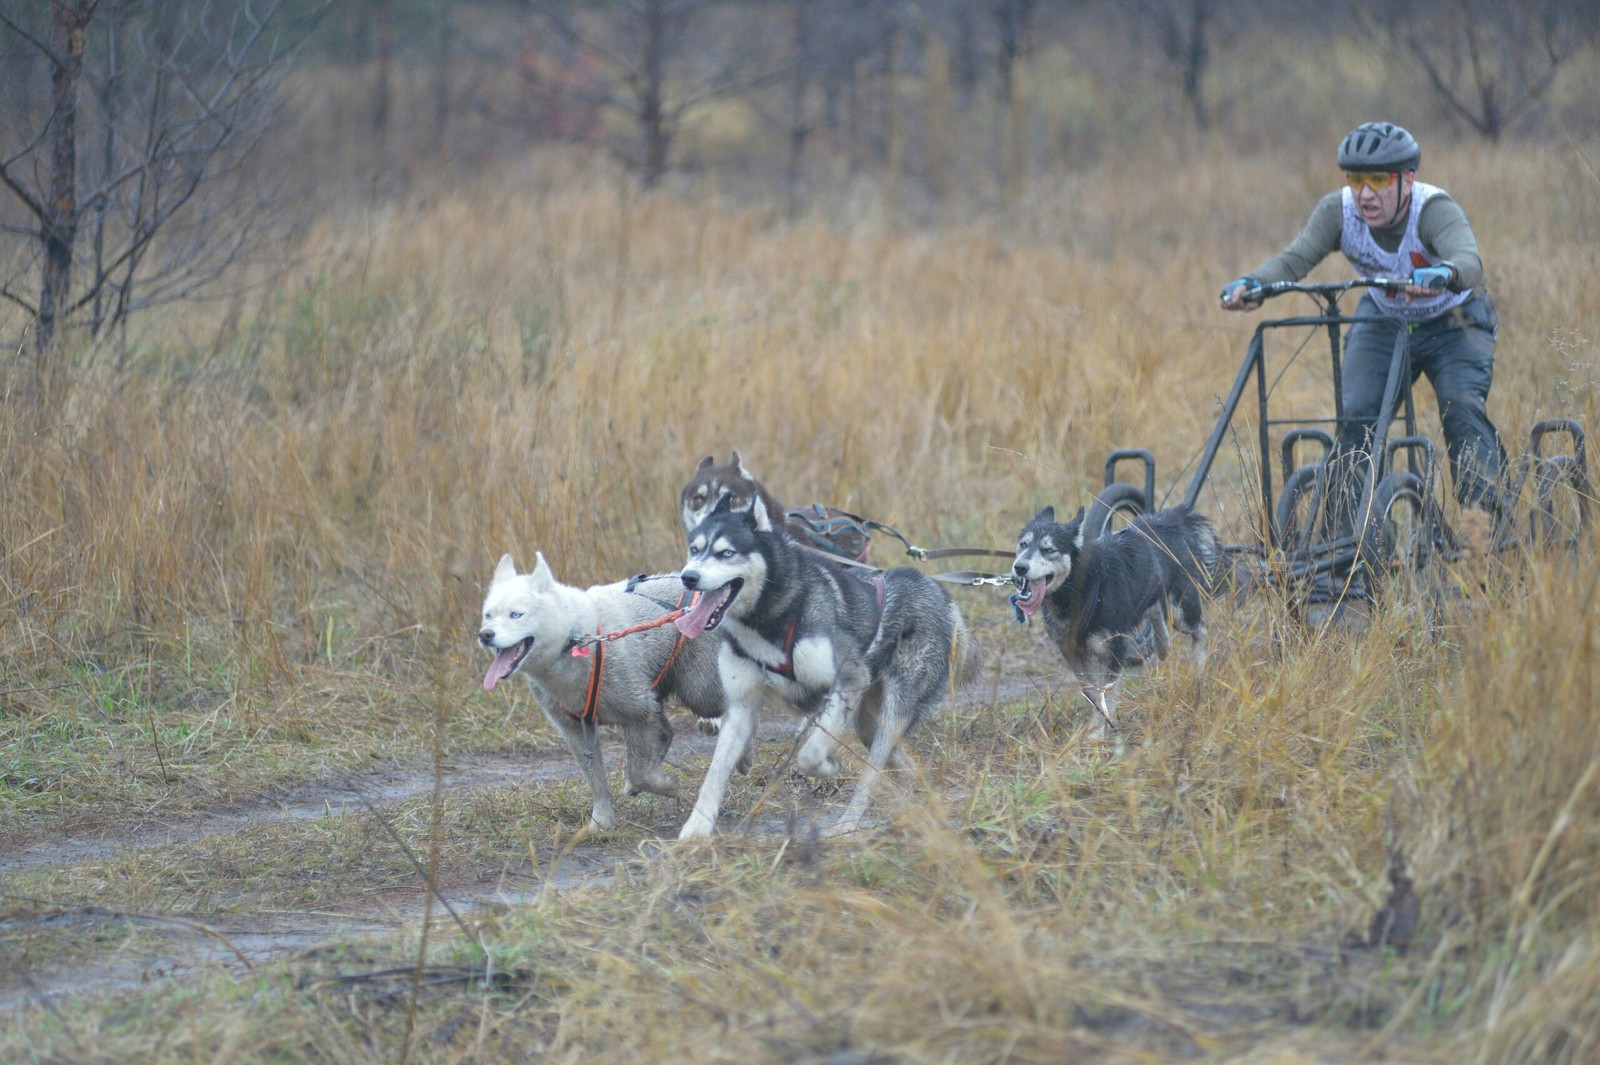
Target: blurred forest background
153,152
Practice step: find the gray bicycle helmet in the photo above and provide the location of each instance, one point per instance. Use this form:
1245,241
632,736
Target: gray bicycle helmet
1378,146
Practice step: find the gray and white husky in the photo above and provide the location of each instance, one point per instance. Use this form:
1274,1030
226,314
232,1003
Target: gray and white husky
832,531
546,631
876,651
1097,595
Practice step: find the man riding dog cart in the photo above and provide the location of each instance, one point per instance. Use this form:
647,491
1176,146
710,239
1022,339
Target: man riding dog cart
1389,224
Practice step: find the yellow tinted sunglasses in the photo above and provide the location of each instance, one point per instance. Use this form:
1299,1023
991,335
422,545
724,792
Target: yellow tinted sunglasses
1376,182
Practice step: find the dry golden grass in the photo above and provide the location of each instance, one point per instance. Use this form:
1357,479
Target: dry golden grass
253,556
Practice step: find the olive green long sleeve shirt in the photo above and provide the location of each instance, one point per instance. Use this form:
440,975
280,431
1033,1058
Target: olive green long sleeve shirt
1441,226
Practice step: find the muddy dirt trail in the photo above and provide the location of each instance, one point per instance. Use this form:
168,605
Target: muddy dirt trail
186,946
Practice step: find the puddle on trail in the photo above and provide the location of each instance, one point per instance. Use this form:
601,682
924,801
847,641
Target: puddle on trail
351,793
378,787
235,944
1011,671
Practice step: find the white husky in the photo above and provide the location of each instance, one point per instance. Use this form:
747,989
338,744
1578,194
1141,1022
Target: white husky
547,631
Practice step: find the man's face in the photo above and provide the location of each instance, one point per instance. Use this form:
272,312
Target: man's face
1379,196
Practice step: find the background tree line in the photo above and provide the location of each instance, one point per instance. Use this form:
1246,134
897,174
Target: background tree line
144,143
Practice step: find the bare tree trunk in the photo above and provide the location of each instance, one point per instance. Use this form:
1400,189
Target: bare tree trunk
652,118
1014,176
894,122
1185,31
1015,19
799,128
383,90
629,62
441,86
858,130
938,119
181,95
110,95
68,22
1492,63
1196,57
967,60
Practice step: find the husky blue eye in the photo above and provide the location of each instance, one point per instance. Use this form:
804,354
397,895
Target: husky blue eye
515,614
726,552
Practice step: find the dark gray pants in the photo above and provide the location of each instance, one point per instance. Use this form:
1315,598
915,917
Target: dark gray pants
1456,353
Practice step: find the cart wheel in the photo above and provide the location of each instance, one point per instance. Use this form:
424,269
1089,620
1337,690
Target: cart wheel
1561,515
1116,506
1298,504
1397,536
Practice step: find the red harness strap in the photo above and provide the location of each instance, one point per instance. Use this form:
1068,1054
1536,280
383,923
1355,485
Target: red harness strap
786,670
597,662
684,601
597,657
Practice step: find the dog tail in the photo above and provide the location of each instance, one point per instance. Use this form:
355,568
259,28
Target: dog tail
1187,537
966,657
1207,567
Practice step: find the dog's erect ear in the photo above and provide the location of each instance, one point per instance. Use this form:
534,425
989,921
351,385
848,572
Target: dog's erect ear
1048,514
507,567
542,577
758,510
704,463
1077,532
738,464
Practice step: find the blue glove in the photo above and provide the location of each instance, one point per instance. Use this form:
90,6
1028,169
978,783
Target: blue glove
1252,289
1437,277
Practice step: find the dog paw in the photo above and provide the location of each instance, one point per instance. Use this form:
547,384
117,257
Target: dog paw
602,821
708,725
822,789
697,827
825,767
654,786
843,827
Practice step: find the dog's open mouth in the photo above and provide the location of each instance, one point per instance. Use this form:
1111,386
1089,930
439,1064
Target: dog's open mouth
506,662
707,611
1031,598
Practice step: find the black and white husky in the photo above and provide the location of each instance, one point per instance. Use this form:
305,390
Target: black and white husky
1097,595
548,632
876,651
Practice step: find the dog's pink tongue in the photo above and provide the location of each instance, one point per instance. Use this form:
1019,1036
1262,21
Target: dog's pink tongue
693,623
1030,603
500,668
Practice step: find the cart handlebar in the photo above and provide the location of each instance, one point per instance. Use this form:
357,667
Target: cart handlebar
1329,290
